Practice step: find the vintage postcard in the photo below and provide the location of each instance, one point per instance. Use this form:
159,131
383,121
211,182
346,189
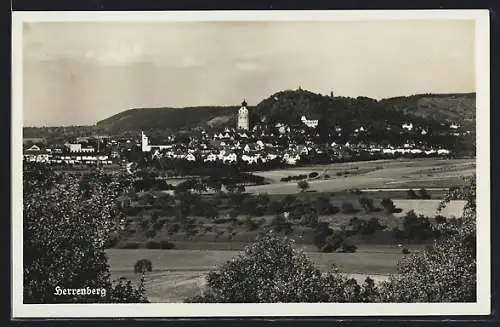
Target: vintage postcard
250,163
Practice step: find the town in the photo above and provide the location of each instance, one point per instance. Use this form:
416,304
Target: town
261,145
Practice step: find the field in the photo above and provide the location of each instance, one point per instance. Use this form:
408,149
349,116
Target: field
379,174
178,274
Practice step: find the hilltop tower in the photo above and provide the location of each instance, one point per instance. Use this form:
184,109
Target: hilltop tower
243,117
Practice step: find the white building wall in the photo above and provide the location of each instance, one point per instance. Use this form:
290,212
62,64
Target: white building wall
243,122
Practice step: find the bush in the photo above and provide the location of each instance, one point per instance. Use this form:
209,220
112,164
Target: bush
411,194
250,224
366,204
131,245
313,174
388,205
174,228
280,225
347,248
424,194
142,266
348,208
303,186
371,226
152,245
272,270
405,251
310,219
166,245
440,219
321,232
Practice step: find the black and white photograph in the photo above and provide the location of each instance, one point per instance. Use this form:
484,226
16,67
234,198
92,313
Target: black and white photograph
300,163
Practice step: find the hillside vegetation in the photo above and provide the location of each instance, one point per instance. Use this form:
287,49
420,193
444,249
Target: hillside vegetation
288,106
436,106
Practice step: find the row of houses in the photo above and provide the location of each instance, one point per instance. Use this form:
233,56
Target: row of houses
67,159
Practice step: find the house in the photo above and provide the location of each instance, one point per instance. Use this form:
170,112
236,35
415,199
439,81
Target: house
443,151
33,148
291,159
309,122
74,147
190,157
407,126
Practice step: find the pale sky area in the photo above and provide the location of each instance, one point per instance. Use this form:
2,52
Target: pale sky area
79,73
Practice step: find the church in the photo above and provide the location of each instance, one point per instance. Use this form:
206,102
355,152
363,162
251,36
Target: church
243,122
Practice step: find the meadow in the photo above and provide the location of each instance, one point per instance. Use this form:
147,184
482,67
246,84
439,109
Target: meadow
179,273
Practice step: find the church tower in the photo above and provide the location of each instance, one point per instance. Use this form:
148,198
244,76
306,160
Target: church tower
243,116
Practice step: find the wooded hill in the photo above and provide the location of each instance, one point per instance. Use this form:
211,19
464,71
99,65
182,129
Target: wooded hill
288,106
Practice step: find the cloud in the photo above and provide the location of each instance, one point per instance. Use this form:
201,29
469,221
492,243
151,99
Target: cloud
116,55
249,66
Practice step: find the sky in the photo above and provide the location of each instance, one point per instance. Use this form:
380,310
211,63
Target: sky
77,73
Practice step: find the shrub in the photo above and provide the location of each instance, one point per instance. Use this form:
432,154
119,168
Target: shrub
366,204
166,245
152,245
369,292
131,245
405,251
174,228
280,225
310,219
424,194
388,205
440,219
272,270
411,194
313,174
321,232
250,224
142,266
348,248
348,208
150,233
303,186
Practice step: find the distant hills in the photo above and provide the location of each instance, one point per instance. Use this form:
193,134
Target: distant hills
287,106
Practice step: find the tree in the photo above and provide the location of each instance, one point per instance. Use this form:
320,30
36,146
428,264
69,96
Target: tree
65,232
366,204
411,194
445,271
388,205
303,186
424,194
369,291
272,270
142,266
310,219
348,208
